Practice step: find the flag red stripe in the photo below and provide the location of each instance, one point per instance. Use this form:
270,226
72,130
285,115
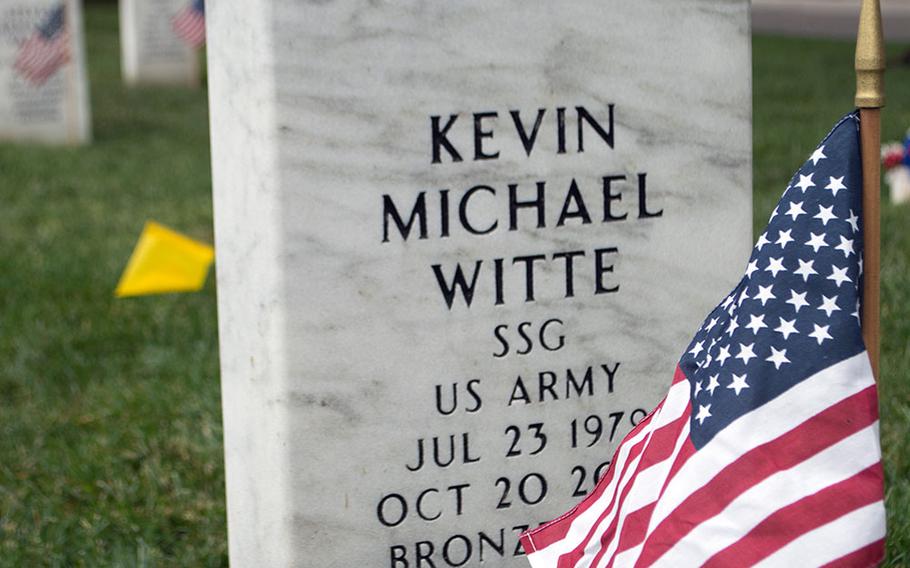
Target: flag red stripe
39,59
190,30
812,436
189,25
636,534
557,529
568,560
800,517
634,529
610,533
688,450
45,69
678,376
866,557
28,52
660,449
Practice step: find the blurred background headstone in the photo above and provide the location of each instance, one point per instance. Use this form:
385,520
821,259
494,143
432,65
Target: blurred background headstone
43,85
826,18
151,50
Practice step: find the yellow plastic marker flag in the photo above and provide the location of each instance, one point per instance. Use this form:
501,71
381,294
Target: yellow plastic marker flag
165,261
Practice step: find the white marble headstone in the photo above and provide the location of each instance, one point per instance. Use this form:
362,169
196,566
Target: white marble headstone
150,51
40,101
586,165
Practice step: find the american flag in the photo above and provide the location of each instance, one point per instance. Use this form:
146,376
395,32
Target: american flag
189,23
765,450
48,49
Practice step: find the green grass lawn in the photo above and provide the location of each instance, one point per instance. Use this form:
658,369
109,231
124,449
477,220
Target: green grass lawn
110,423
110,426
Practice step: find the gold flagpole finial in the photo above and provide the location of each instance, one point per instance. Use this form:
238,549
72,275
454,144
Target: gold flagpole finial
870,57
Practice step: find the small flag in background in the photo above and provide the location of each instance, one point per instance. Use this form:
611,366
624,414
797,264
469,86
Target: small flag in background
165,261
765,450
189,23
48,49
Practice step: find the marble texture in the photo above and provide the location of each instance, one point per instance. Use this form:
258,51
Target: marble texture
150,51
333,342
56,111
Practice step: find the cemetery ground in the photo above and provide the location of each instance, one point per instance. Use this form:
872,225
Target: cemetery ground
110,424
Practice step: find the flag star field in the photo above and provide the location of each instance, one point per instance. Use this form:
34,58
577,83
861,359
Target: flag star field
810,254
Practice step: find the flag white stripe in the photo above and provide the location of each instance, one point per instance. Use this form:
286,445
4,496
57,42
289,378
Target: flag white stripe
674,407
832,465
42,58
38,59
594,545
581,531
190,27
45,65
628,557
671,410
191,23
776,417
548,557
828,543
645,491
29,52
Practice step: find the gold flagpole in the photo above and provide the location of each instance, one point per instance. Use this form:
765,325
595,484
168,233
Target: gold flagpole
870,98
